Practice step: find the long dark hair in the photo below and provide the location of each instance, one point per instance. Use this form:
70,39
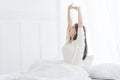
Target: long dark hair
75,37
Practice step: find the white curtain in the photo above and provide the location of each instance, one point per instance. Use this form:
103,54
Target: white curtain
101,18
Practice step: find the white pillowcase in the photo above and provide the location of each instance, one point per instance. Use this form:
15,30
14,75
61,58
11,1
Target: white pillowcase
105,71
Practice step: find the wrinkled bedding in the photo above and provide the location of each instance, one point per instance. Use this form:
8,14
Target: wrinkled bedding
49,71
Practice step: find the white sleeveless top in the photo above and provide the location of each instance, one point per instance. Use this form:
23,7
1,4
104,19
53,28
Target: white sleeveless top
73,52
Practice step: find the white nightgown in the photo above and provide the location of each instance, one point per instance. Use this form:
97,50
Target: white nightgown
73,52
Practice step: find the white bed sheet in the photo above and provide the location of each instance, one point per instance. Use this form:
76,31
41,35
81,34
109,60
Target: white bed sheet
50,71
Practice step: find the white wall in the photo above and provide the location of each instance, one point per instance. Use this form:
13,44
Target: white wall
10,47
28,31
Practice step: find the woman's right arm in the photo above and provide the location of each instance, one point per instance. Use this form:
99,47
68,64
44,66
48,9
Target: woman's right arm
69,22
69,16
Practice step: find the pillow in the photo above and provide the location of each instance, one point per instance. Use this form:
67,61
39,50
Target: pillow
105,71
87,62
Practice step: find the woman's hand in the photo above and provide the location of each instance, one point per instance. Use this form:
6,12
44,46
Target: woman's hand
75,7
70,6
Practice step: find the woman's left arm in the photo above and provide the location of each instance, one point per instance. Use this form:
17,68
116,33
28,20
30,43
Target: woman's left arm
80,37
80,21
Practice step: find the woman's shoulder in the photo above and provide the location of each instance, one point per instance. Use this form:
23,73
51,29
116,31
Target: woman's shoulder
80,31
81,27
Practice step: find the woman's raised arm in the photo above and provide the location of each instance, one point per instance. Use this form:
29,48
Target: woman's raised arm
80,21
69,16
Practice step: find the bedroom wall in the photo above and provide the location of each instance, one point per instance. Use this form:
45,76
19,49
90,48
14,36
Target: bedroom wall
29,30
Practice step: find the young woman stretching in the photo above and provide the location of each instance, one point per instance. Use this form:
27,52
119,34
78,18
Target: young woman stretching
75,48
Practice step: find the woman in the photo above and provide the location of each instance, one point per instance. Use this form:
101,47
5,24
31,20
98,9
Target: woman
75,48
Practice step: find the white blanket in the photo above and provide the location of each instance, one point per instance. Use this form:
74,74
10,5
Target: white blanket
50,71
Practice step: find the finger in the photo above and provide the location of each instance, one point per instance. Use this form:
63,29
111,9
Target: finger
71,4
74,7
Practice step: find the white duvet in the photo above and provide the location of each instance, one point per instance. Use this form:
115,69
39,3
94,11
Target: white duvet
46,70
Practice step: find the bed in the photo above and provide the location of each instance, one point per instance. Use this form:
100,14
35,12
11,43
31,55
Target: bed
49,70
58,70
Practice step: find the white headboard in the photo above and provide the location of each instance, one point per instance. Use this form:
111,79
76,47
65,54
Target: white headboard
28,31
